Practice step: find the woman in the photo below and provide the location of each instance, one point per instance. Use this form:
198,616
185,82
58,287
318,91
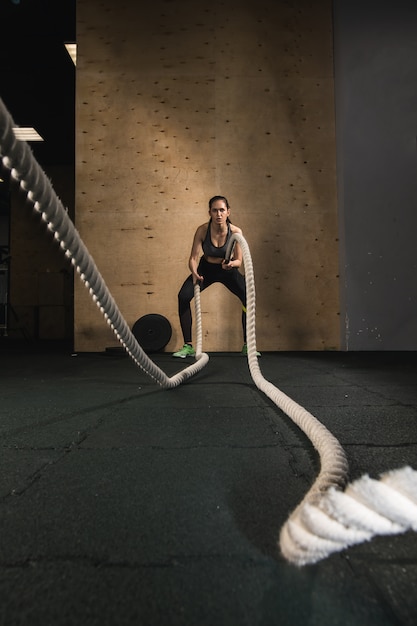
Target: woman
212,238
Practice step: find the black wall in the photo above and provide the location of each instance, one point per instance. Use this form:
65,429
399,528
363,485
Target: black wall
376,119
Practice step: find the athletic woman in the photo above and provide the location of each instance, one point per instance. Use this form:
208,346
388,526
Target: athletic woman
212,239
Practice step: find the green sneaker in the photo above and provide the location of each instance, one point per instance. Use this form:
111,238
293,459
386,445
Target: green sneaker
245,350
185,351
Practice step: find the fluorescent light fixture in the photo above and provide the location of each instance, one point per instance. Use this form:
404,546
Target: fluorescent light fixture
72,51
26,134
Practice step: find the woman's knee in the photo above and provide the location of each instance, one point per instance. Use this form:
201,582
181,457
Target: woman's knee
185,295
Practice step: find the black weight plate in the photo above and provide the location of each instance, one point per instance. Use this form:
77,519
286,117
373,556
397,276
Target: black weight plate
152,332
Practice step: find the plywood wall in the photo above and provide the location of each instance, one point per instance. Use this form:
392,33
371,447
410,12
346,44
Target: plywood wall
178,101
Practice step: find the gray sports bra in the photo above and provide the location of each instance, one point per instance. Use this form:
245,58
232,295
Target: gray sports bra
211,250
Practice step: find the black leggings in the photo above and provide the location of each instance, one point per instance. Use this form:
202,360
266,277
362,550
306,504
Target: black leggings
212,273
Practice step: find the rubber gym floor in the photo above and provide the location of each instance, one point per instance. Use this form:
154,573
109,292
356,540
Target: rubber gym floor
126,504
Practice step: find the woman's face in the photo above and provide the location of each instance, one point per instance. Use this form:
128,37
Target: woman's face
219,212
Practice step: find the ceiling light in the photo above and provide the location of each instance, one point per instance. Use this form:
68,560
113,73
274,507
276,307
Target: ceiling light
27,134
72,51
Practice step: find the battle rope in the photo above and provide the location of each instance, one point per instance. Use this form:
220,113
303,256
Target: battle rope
328,519
18,157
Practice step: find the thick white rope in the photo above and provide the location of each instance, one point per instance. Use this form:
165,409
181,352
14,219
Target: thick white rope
328,519
18,157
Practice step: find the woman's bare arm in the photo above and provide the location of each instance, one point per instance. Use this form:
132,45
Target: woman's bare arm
196,252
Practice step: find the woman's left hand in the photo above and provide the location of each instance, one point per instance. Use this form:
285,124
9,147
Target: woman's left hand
227,266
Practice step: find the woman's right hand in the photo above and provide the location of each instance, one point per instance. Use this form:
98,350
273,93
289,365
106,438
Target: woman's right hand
197,278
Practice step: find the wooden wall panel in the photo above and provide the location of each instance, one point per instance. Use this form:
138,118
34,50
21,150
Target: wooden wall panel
177,102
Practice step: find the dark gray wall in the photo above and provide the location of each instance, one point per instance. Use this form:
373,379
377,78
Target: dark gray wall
376,120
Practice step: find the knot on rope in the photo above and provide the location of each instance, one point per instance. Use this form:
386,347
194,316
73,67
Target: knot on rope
340,519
